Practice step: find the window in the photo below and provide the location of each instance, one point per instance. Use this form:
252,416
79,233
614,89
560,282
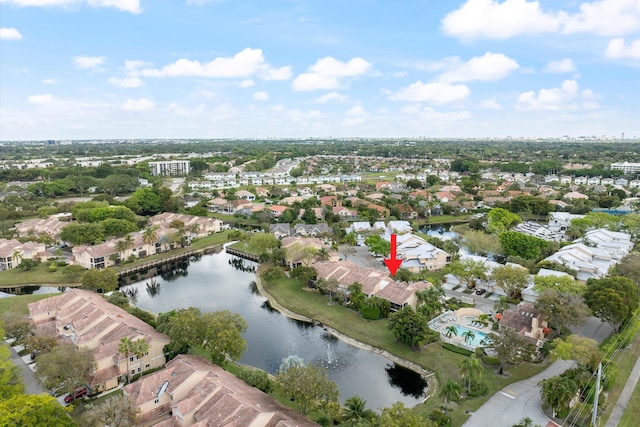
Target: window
131,359
139,369
156,401
147,366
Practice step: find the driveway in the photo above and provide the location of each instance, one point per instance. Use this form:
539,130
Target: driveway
32,384
516,401
363,258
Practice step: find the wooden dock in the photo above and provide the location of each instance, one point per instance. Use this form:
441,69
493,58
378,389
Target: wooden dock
166,260
242,254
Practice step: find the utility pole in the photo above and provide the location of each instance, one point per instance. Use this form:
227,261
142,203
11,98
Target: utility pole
594,415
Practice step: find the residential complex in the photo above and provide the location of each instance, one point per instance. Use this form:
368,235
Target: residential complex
169,168
627,168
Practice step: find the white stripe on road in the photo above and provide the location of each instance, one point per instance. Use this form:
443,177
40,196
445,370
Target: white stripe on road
508,395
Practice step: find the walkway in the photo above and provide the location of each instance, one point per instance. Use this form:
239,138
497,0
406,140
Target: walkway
625,396
31,383
516,401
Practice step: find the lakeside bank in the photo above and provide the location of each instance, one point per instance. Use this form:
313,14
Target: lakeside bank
428,376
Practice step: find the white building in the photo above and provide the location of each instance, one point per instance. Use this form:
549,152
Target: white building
170,167
627,168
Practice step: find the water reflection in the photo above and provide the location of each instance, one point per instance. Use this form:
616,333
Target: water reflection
405,380
213,283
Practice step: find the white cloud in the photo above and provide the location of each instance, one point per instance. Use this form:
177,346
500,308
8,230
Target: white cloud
491,104
141,104
493,19
40,99
10,34
436,93
246,83
356,116
126,82
618,49
88,62
243,64
447,116
50,81
133,65
327,72
565,97
331,96
261,95
132,6
490,66
564,65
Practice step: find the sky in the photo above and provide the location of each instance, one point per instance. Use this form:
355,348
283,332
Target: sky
134,69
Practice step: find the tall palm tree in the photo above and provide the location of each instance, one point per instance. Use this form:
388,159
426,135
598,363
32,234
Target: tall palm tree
355,412
450,392
324,254
501,304
150,235
140,348
451,330
124,347
472,370
468,336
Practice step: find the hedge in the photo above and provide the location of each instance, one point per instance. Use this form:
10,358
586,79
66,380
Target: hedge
457,349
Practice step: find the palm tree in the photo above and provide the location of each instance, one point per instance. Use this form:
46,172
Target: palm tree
324,254
194,229
501,304
125,348
451,330
140,348
150,235
355,412
472,370
450,392
468,336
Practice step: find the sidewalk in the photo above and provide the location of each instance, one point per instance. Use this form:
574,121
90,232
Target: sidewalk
625,396
31,383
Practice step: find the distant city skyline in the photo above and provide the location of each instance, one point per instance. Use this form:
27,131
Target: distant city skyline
142,69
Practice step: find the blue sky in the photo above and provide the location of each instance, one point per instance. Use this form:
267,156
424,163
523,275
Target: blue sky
93,69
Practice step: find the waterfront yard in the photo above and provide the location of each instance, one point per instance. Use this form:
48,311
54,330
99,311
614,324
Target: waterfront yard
291,294
18,304
38,276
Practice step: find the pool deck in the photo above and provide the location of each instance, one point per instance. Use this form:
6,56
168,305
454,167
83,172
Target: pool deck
459,318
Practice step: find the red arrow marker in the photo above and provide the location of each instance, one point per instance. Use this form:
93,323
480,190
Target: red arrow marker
393,263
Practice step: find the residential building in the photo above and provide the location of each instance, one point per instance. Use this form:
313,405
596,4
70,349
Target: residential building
12,252
51,226
418,255
170,167
192,391
627,168
526,321
86,320
560,221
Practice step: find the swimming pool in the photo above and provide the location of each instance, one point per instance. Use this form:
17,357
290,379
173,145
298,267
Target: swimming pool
477,336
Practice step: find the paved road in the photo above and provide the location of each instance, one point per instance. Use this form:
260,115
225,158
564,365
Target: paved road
625,396
516,401
32,385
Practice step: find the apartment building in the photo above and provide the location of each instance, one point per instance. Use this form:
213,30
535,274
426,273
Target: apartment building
170,167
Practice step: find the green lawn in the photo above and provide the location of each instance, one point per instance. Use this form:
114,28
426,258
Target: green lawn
630,417
18,304
40,275
444,363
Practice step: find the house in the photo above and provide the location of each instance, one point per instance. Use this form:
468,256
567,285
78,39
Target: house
277,210
192,391
331,201
560,221
12,252
234,206
296,250
190,202
246,195
262,192
573,195
399,227
196,225
87,320
418,255
311,230
280,230
580,180
345,213
51,226
526,321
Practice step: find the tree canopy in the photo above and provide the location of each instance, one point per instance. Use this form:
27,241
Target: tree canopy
308,387
613,299
34,410
65,366
410,327
106,279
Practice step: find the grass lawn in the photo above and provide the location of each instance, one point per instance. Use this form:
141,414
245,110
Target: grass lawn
444,363
630,417
80,407
18,304
625,361
40,275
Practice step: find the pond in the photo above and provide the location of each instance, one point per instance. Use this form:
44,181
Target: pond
212,283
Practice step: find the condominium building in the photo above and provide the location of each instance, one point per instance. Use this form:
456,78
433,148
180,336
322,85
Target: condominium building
627,168
170,167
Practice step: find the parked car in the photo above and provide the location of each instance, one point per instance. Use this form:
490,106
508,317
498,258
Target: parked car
481,291
34,355
81,392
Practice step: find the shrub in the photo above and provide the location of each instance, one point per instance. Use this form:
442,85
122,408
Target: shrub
478,389
457,349
145,316
52,268
256,378
440,418
491,361
370,312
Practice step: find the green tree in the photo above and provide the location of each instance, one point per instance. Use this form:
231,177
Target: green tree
114,227
562,309
468,271
117,411
563,284
583,350
429,301
400,416
124,347
308,387
558,391
450,392
65,368
471,370
82,234
511,279
356,296
499,220
118,184
34,410
509,345
144,201
150,235
522,245
355,412
468,336
501,304
10,376
450,331
378,245
613,299
409,327
105,280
